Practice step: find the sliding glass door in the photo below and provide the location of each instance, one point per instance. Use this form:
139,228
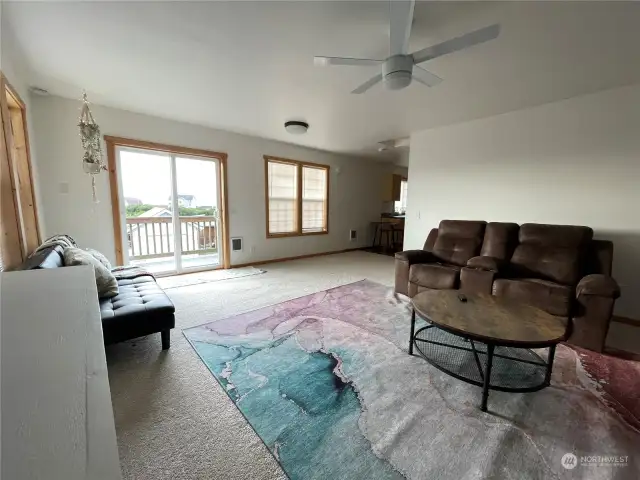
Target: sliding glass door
200,235
170,210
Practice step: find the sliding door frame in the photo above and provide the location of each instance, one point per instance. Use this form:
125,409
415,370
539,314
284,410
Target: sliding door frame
113,142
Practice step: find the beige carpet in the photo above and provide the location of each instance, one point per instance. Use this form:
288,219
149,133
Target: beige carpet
186,280
172,419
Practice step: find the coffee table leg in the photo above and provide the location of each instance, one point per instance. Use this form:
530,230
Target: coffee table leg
475,354
552,353
487,377
413,327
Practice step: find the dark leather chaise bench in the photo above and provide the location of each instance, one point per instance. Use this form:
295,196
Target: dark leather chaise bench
140,308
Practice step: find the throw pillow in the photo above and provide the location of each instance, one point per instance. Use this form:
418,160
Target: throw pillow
100,257
105,281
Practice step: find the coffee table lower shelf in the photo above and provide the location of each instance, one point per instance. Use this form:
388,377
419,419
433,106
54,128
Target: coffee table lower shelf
487,365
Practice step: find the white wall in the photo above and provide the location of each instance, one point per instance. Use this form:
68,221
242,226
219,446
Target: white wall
15,70
354,197
571,162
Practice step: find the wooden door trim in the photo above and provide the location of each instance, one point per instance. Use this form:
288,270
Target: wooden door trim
226,242
161,147
113,142
11,242
16,103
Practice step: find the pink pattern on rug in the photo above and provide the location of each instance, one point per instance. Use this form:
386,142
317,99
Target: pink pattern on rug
619,380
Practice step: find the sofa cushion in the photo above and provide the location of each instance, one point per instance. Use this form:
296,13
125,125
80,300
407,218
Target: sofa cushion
105,281
458,241
500,239
551,252
431,240
567,236
435,275
141,307
551,297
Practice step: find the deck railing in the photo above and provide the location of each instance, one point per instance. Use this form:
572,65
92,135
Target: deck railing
152,237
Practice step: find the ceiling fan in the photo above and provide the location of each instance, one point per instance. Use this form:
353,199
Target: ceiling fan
393,143
401,67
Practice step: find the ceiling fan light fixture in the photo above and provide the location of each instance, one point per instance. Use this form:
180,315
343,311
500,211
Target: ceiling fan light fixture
396,72
296,127
397,80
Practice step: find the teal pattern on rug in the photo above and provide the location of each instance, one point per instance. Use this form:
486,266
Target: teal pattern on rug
305,414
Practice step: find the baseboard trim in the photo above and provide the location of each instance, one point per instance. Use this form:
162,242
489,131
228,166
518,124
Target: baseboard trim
626,320
298,257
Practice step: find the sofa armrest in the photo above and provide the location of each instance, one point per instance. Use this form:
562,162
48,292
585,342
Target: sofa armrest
600,285
415,256
490,264
595,299
404,260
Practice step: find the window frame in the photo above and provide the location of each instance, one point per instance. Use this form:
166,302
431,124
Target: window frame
298,212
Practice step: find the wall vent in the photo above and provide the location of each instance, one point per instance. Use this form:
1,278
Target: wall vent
236,244
353,235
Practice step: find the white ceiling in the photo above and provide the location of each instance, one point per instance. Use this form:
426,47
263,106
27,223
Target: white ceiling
248,66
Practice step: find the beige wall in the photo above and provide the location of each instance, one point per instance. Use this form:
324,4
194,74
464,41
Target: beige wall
570,162
354,196
13,67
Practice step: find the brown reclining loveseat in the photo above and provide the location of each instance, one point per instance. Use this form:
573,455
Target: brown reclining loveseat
558,268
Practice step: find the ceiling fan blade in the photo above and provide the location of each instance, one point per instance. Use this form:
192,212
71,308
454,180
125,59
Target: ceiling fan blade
458,43
368,84
400,19
326,61
423,76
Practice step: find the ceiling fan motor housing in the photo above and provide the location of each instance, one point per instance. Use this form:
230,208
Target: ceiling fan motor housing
396,71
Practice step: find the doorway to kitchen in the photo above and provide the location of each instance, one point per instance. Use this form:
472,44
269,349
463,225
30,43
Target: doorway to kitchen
170,213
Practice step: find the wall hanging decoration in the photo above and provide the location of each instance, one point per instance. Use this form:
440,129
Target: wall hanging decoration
90,135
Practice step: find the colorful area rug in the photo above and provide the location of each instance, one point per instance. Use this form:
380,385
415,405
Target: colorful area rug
327,383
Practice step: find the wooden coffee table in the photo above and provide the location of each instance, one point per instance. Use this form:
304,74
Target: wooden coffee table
460,334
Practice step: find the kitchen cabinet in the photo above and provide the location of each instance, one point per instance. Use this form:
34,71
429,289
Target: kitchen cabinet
391,188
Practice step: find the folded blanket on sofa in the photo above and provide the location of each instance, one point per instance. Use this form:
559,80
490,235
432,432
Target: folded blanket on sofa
64,241
129,273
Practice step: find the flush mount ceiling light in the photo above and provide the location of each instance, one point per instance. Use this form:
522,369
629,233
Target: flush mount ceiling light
38,91
394,143
296,127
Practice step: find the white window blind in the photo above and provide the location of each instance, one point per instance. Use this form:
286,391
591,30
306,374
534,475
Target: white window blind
282,196
314,199
297,197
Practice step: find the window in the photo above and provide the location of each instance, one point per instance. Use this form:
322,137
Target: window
297,195
400,206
